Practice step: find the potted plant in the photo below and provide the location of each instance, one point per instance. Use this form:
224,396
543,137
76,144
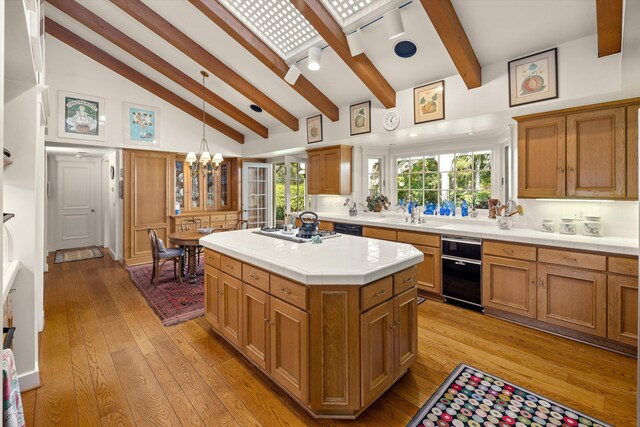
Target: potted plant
377,203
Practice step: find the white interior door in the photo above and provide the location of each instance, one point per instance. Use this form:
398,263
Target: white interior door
78,203
256,194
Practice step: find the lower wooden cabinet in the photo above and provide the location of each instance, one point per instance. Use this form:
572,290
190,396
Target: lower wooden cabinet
256,325
389,343
230,320
289,341
509,285
429,276
212,296
573,298
623,309
380,233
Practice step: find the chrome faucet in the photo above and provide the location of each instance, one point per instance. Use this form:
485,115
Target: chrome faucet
413,214
353,210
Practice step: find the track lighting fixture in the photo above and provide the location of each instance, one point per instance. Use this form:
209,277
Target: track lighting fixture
393,22
315,55
292,75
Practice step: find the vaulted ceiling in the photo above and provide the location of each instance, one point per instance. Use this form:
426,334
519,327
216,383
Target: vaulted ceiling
165,43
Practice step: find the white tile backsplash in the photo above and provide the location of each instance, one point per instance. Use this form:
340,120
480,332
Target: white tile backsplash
620,218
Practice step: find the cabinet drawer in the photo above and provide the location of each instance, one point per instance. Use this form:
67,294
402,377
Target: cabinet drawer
404,280
203,219
231,266
218,224
419,238
212,258
232,216
573,259
255,277
289,291
509,250
376,293
623,265
379,233
218,218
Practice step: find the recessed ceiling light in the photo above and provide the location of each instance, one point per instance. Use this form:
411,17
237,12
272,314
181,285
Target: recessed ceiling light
405,48
255,108
413,135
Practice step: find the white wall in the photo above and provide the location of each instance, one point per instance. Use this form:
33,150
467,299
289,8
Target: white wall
70,70
112,208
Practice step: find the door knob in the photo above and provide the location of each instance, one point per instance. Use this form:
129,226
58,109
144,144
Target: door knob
93,210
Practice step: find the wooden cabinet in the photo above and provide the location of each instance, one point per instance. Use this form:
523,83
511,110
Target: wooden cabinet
596,153
230,320
389,342
329,170
581,152
623,309
429,275
509,285
541,157
380,233
573,298
212,296
204,191
208,219
256,325
148,201
290,348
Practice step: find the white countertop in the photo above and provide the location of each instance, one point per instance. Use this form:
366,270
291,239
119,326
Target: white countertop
344,260
487,229
9,273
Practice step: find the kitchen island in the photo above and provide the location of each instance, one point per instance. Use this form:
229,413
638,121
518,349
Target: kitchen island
333,324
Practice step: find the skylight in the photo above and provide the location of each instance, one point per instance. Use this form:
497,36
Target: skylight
347,12
277,23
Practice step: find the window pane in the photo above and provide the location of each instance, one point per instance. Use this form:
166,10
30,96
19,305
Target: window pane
482,160
444,196
464,161
403,181
482,199
417,197
432,181
402,197
484,181
416,166
431,197
431,164
464,195
463,180
402,166
416,181
373,166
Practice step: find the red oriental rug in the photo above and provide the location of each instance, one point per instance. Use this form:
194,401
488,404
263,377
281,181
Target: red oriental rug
172,301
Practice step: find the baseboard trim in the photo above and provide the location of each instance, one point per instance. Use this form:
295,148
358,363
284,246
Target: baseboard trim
41,321
113,254
29,380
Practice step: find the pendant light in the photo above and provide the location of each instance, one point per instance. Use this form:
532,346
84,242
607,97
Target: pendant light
204,163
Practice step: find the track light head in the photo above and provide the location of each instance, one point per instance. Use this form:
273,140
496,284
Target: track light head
354,40
292,75
315,56
393,22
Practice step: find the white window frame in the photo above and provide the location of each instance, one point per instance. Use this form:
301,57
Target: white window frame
384,171
287,160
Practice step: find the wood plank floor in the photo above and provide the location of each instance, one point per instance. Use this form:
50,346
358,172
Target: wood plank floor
106,359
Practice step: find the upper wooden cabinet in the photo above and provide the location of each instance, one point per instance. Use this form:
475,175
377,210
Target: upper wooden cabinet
582,152
329,170
210,191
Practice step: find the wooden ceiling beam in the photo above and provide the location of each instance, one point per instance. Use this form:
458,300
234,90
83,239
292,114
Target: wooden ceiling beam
609,17
126,43
78,43
329,29
163,28
447,24
227,21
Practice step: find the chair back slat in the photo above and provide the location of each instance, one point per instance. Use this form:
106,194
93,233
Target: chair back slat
190,224
153,239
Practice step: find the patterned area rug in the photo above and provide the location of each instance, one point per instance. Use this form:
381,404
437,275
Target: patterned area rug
471,397
172,301
81,254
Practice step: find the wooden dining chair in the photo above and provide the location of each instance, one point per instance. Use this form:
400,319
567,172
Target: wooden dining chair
241,224
160,258
190,224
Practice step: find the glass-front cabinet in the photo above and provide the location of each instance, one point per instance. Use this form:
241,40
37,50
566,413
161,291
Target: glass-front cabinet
207,190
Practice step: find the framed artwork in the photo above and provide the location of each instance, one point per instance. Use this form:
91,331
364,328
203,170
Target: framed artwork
141,125
360,118
428,102
533,78
81,116
314,129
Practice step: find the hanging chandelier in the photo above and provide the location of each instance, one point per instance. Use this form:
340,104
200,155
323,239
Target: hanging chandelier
203,162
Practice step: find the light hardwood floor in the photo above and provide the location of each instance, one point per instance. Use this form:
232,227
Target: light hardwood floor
106,359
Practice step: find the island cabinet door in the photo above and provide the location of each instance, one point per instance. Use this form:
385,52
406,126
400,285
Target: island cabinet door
405,330
376,350
573,298
509,285
290,348
623,309
230,323
212,296
429,276
255,320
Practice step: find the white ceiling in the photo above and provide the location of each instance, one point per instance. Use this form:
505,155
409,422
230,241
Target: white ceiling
499,30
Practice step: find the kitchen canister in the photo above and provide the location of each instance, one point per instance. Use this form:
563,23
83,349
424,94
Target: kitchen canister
567,226
593,226
548,226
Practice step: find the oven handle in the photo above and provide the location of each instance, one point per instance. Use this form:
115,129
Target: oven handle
464,260
470,242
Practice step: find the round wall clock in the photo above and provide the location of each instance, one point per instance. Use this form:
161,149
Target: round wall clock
391,121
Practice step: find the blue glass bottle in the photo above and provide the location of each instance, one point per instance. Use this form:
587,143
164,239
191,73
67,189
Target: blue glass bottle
464,208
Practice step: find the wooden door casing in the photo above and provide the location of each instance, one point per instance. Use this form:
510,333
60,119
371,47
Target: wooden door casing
405,330
230,322
256,325
541,157
596,153
573,298
509,285
289,346
623,309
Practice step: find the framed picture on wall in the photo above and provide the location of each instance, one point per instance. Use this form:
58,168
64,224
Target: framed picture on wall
314,129
360,118
81,116
533,78
428,102
141,125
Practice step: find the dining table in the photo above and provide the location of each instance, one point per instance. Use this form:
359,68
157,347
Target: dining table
190,241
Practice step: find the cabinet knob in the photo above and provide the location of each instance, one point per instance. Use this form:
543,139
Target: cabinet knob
508,251
254,276
380,292
286,291
407,280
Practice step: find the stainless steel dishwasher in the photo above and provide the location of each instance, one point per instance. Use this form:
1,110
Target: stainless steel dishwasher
462,271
